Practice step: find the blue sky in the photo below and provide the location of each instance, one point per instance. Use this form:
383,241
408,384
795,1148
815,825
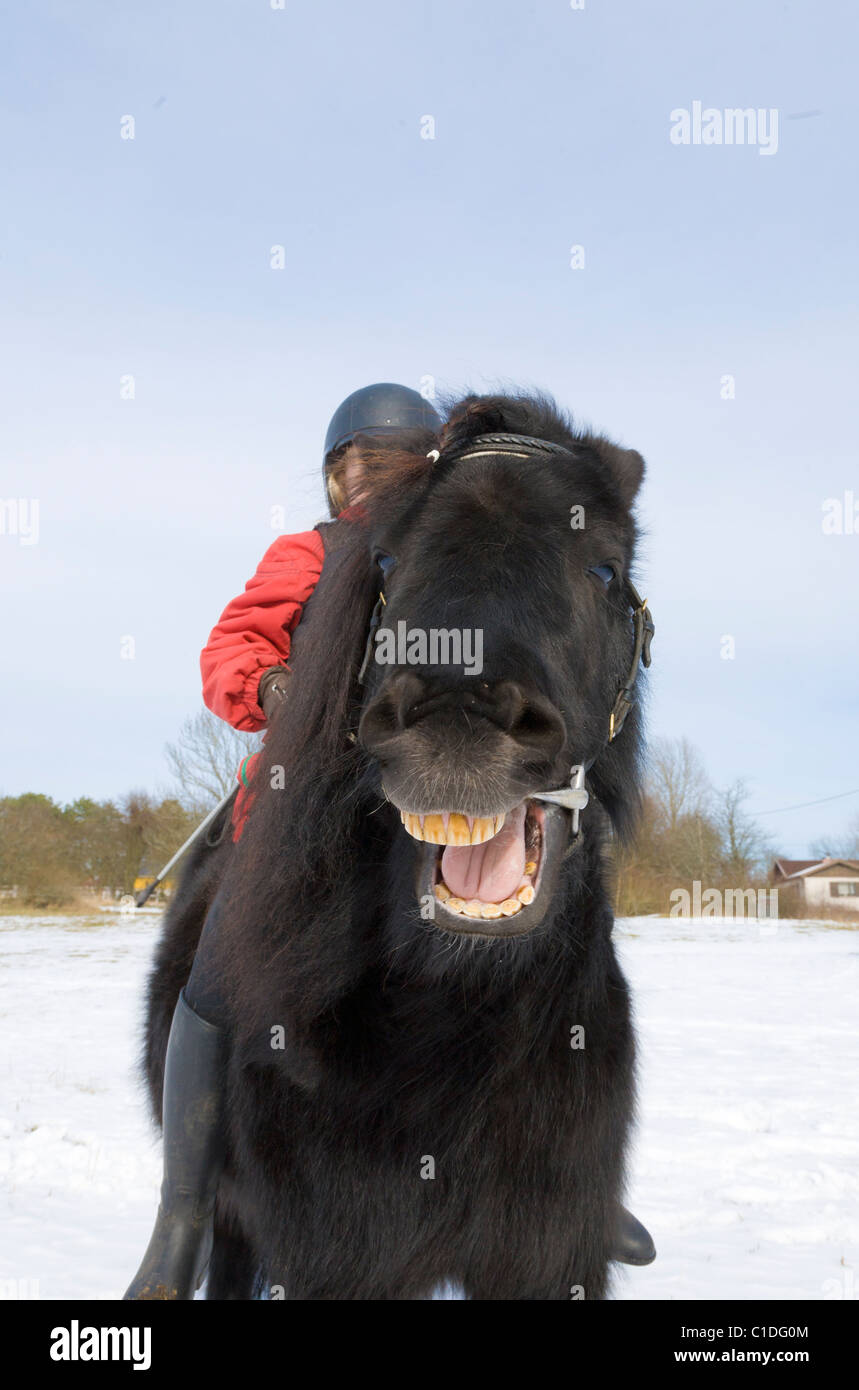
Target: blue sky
406,258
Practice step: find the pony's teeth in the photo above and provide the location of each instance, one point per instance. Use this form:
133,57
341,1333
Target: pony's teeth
510,906
531,866
452,828
434,830
526,894
458,832
484,828
412,825
476,907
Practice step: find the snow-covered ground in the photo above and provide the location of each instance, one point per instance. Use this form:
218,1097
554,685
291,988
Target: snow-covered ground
746,1163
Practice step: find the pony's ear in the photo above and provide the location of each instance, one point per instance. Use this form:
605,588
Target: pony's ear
471,417
476,415
626,467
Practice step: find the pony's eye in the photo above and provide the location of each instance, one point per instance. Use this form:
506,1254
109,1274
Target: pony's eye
605,573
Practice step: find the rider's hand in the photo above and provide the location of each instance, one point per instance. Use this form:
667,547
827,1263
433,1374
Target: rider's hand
273,687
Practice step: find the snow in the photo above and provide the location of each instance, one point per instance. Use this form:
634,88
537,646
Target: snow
745,1159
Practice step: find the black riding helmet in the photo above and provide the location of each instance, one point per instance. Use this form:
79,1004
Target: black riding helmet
384,408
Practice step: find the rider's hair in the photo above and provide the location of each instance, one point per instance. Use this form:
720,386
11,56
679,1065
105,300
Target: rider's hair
383,457
334,478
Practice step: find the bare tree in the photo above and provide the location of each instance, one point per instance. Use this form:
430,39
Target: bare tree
205,758
745,844
678,782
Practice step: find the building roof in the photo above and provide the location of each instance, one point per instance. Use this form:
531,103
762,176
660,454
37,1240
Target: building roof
789,867
806,868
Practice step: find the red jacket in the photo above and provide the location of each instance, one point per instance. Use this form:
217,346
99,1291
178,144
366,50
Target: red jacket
255,629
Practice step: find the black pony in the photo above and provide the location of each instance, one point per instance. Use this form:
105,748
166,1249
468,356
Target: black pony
431,1055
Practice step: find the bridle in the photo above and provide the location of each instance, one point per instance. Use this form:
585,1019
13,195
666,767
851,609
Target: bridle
573,797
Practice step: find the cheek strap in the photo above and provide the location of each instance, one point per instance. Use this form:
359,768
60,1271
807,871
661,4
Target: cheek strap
575,796
642,622
387,564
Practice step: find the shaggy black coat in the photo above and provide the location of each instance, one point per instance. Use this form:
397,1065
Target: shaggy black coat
405,1106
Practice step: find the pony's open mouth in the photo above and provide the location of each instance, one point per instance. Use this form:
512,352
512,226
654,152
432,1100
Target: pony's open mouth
483,870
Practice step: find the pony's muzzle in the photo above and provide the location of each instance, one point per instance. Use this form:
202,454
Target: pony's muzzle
448,715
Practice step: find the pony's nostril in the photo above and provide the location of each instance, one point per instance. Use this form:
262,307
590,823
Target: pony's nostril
392,710
405,695
538,727
529,718
507,704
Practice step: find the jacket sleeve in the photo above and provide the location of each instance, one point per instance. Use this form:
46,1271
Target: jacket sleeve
254,630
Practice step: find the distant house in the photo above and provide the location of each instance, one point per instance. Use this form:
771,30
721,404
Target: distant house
820,883
145,875
163,891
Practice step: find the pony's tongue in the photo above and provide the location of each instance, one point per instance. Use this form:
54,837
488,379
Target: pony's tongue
491,871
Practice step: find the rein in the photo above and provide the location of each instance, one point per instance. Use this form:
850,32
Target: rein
573,797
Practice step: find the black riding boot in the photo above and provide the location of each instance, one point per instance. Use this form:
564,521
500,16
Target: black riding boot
633,1243
193,1106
